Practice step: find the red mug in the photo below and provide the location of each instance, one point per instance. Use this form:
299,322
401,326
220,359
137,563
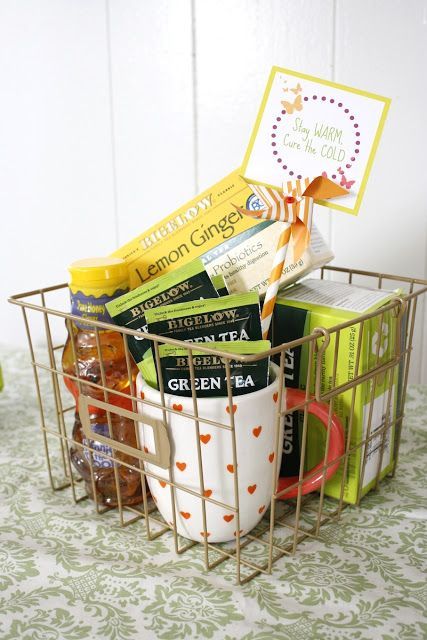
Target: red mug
314,476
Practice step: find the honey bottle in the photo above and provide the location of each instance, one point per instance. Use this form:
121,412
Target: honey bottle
93,283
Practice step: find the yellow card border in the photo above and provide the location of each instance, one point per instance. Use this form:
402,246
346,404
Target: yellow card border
355,210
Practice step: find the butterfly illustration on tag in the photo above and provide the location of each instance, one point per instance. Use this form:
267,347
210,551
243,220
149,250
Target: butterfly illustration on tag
295,90
347,184
290,107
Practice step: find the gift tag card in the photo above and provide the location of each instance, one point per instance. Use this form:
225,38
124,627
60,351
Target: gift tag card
307,127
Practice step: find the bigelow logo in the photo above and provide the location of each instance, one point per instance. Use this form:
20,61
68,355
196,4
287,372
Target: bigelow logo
205,318
161,299
178,221
199,361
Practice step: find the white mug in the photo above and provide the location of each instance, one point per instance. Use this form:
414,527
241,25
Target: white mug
255,420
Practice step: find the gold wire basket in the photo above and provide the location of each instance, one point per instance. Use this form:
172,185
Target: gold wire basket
286,523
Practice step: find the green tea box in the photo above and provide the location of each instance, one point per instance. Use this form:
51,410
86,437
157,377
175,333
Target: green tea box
323,303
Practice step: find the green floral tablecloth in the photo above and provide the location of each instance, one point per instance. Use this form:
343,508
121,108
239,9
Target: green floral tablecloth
68,573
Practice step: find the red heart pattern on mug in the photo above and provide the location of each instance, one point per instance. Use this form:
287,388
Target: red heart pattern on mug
253,422
227,408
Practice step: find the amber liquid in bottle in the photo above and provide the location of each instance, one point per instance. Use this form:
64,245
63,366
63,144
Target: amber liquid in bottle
83,360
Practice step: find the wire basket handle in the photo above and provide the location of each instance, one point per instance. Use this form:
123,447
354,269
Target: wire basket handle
161,457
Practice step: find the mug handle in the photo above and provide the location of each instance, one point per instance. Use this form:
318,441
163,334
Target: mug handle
295,397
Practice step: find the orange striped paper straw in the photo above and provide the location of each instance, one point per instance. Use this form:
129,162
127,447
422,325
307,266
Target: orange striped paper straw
299,230
274,282
283,207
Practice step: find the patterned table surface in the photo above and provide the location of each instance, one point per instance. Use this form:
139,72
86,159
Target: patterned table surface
66,573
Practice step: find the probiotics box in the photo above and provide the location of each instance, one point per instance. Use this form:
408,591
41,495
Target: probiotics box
322,303
245,260
231,244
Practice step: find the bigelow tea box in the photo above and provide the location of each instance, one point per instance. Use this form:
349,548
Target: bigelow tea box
322,303
231,244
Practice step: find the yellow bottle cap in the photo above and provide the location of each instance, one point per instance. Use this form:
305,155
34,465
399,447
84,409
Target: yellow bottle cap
99,272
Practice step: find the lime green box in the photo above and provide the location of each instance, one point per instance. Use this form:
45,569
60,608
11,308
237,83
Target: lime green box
328,304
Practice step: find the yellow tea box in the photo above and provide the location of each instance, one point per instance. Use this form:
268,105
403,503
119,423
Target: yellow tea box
237,247
195,228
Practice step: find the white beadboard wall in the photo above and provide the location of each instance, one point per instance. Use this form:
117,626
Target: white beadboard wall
115,112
